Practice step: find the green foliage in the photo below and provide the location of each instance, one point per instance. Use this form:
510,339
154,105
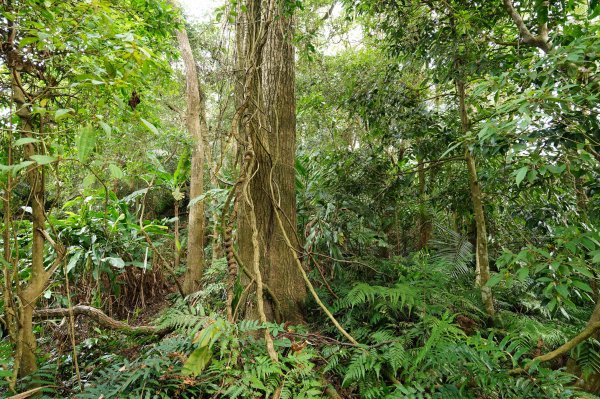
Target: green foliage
385,214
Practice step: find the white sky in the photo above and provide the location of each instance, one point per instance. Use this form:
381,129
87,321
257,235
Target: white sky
203,10
200,9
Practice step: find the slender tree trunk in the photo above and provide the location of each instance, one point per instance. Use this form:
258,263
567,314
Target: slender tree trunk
197,129
10,308
25,340
482,257
424,221
271,135
177,240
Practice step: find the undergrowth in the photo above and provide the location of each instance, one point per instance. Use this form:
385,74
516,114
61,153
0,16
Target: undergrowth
421,333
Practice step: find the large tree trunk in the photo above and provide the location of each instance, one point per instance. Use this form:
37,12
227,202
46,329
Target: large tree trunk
270,134
482,257
197,129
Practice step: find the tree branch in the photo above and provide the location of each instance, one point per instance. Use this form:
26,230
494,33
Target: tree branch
561,350
99,317
540,41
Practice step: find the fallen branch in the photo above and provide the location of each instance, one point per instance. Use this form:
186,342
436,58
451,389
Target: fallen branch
99,317
561,350
27,394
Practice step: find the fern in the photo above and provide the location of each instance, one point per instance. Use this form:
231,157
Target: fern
453,249
587,356
184,318
397,297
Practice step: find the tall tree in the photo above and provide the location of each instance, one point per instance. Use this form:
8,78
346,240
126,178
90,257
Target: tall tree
198,130
270,141
50,53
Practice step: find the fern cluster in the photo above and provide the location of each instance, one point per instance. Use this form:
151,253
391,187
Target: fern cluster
421,333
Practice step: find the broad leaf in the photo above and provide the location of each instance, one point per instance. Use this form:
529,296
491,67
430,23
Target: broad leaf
197,361
87,141
115,262
25,140
521,173
43,159
150,126
115,171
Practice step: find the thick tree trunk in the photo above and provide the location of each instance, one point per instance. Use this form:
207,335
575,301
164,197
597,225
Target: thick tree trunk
271,135
197,129
482,257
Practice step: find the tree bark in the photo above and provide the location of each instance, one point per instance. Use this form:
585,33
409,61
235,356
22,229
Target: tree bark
271,134
99,317
542,39
197,129
25,340
482,257
591,383
425,224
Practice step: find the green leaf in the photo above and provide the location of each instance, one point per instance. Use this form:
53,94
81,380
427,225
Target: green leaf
28,40
523,273
150,126
494,280
554,169
583,286
214,193
87,141
115,262
521,173
62,113
562,290
25,140
43,159
88,181
73,260
551,305
115,171
16,168
197,361
106,127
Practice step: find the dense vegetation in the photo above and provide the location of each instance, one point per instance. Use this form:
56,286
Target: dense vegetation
300,199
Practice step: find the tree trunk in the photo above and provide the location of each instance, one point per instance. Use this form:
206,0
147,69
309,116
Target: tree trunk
271,136
482,257
177,243
25,340
197,129
425,224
